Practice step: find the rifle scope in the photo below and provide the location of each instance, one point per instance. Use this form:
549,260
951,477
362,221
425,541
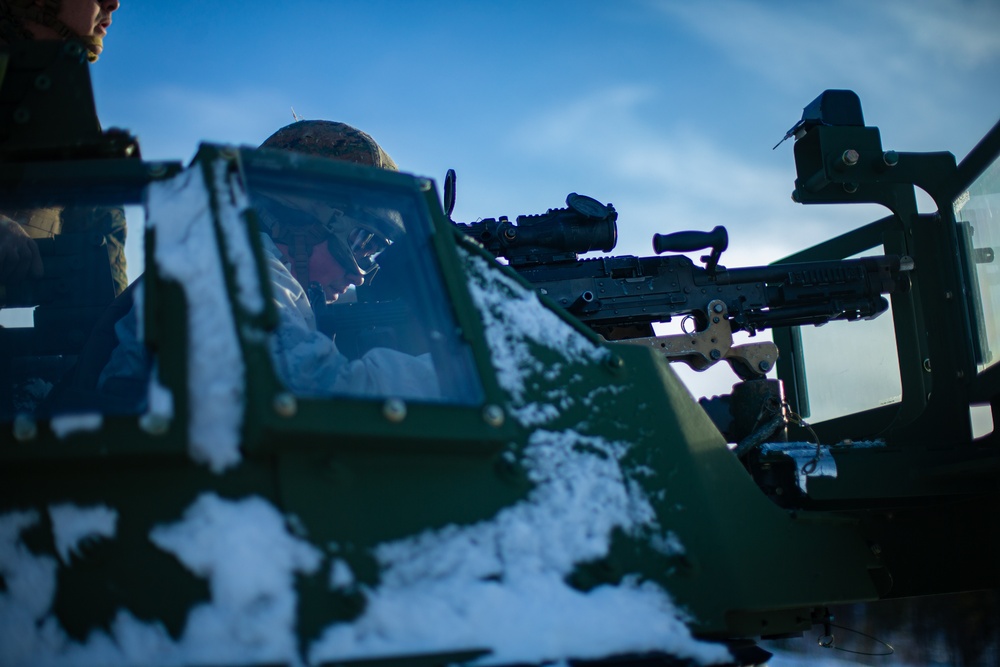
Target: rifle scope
556,235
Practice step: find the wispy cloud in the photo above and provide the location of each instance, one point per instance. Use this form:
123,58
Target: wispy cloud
179,117
922,55
959,33
676,177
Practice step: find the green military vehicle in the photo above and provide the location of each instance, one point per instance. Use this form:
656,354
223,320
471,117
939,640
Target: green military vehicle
495,462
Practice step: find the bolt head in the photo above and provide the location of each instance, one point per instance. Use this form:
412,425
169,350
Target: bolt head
394,410
285,405
493,415
154,424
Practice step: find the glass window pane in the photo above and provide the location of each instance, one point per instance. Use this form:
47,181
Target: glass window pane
978,214
851,366
63,267
361,303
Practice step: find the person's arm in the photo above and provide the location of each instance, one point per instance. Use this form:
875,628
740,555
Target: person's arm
19,256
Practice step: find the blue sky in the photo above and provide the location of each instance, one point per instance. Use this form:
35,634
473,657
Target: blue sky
667,109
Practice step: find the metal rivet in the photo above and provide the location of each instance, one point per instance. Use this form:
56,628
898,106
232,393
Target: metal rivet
25,428
425,184
21,115
927,365
890,158
154,424
764,366
285,405
157,170
615,362
43,82
493,415
850,188
850,157
715,354
394,410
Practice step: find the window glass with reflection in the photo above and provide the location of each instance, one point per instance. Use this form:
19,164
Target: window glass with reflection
362,307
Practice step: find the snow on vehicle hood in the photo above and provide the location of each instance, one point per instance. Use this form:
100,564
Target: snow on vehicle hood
501,584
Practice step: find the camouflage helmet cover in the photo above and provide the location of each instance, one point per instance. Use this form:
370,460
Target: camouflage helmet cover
327,138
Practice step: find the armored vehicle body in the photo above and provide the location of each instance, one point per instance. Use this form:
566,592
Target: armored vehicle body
464,460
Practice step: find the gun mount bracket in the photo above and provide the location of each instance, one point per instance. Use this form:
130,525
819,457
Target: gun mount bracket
702,349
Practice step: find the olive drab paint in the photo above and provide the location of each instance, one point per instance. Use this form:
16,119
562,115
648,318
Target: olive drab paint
549,495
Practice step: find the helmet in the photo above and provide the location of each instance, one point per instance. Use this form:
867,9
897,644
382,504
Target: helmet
327,138
13,14
354,234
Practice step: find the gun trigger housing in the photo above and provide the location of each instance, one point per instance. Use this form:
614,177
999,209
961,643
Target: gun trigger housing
703,349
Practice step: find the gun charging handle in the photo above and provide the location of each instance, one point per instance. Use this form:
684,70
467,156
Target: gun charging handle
717,240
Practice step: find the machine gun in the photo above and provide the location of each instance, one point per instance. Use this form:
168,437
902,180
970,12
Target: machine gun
621,297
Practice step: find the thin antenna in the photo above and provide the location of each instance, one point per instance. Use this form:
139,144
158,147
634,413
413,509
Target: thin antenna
295,116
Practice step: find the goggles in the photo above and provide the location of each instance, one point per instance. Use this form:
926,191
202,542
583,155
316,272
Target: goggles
365,246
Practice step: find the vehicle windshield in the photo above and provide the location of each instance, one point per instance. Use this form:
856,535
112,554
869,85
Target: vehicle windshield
356,258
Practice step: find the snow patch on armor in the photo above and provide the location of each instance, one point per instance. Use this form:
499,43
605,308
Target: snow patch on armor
501,584
66,425
238,248
161,399
187,252
30,588
244,549
513,318
72,524
341,575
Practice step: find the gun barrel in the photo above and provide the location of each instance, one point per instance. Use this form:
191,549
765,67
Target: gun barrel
882,275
